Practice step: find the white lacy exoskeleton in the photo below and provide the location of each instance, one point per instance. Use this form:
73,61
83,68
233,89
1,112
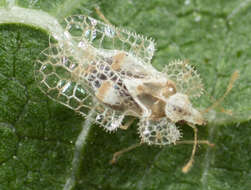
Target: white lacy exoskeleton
108,69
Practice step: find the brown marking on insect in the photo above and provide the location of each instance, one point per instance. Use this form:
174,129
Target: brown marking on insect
119,107
158,110
140,89
156,105
117,61
102,91
157,89
152,88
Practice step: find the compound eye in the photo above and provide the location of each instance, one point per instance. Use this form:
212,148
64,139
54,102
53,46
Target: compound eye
178,110
169,89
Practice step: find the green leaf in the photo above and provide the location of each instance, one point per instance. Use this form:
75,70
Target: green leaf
37,135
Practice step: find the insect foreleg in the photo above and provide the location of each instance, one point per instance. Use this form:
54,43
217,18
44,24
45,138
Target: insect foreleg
127,124
119,153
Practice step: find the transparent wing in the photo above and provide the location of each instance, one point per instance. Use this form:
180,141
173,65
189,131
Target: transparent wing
108,118
55,73
161,132
59,76
187,80
103,36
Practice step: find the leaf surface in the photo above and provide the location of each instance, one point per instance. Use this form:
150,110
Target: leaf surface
37,135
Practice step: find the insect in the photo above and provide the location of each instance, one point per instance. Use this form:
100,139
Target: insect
107,69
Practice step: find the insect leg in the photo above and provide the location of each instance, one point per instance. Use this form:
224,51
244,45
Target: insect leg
127,124
119,153
198,141
189,164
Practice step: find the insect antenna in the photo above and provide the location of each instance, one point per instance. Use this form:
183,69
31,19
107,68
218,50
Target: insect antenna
233,78
195,142
102,16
